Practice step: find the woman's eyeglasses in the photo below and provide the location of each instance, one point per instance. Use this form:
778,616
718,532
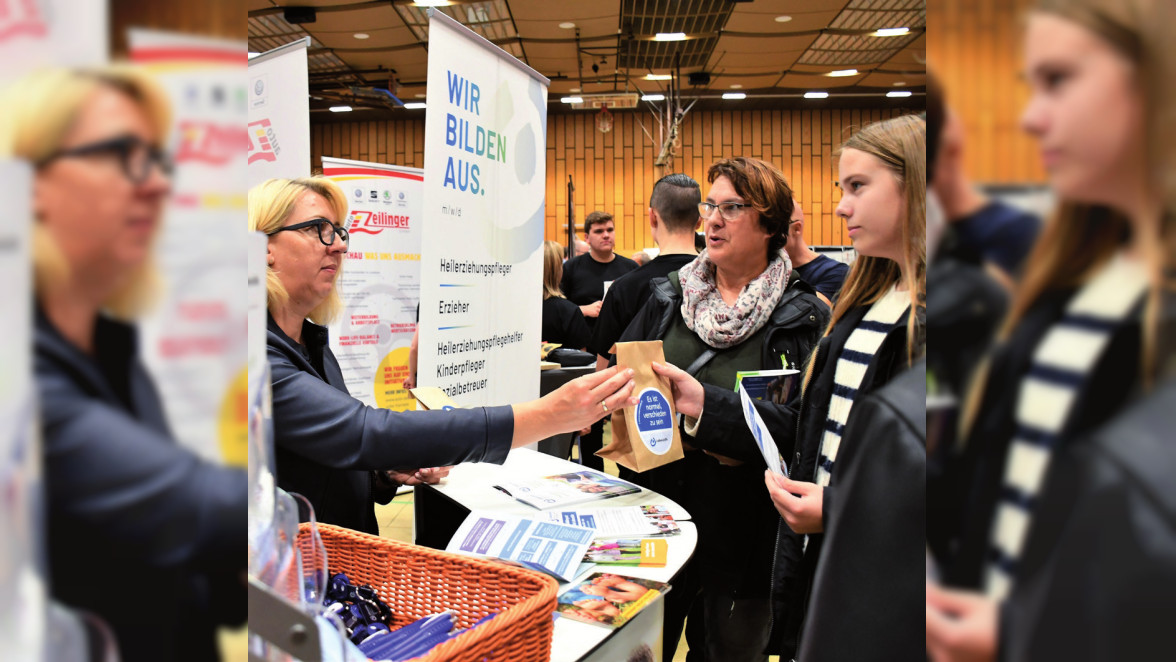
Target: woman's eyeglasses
327,231
729,210
136,156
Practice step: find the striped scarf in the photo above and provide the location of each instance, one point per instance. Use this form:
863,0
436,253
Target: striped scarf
1059,369
859,350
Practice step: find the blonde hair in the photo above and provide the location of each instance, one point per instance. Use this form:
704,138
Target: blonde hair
901,144
270,205
1081,238
552,269
39,110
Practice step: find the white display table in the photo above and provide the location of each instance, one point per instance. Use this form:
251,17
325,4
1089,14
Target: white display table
439,509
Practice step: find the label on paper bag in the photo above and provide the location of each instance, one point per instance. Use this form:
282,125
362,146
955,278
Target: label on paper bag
655,421
644,436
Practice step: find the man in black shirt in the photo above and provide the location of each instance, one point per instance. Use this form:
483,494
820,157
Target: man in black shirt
586,277
821,271
673,215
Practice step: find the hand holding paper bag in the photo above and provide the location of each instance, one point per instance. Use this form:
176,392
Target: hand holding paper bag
644,436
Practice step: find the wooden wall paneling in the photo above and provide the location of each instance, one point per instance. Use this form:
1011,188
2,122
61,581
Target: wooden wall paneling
615,171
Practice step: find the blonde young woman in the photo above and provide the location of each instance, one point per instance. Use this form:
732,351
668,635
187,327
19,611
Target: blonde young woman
141,532
563,322
873,336
337,452
1061,546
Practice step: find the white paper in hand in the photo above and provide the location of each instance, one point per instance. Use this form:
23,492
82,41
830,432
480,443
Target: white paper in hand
763,438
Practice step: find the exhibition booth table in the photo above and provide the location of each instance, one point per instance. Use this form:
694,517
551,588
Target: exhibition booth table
440,510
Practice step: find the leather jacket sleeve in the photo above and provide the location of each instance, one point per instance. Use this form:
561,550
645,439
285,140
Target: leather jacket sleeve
325,425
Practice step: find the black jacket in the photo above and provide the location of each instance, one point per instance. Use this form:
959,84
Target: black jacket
797,428
1100,560
728,502
960,526
327,443
141,531
868,591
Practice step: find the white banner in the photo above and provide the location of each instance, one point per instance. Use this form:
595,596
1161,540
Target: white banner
41,33
192,341
380,285
279,114
22,588
261,443
482,263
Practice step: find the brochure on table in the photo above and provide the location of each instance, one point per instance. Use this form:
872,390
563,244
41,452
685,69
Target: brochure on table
641,552
549,547
566,489
623,522
608,599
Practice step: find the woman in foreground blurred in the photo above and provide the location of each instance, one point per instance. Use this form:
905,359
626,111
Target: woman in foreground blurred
141,531
1045,499
333,449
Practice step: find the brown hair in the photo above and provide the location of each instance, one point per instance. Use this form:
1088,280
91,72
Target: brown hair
763,186
596,218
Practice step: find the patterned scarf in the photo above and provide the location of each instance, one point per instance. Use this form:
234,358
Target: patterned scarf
711,319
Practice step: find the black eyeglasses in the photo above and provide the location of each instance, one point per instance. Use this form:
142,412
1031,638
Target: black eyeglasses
135,155
327,231
729,210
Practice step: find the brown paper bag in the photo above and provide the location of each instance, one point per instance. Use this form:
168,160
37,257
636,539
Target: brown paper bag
645,436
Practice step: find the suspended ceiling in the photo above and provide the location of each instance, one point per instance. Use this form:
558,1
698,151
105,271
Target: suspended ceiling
608,47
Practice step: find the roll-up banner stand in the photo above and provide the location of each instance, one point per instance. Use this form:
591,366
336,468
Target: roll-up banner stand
22,556
380,280
63,33
192,340
279,114
481,257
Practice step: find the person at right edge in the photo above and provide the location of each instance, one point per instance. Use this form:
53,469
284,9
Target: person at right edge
738,306
874,335
1061,543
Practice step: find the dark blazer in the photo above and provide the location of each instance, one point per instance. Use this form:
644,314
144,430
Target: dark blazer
327,443
141,531
868,592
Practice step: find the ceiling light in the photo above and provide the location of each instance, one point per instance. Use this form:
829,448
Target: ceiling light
658,77
571,100
414,105
361,35
816,95
736,86
891,32
340,109
842,73
898,93
653,97
734,95
432,3
252,54
783,19
670,36
567,25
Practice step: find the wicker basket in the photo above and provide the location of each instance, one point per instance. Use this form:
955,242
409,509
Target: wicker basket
418,581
